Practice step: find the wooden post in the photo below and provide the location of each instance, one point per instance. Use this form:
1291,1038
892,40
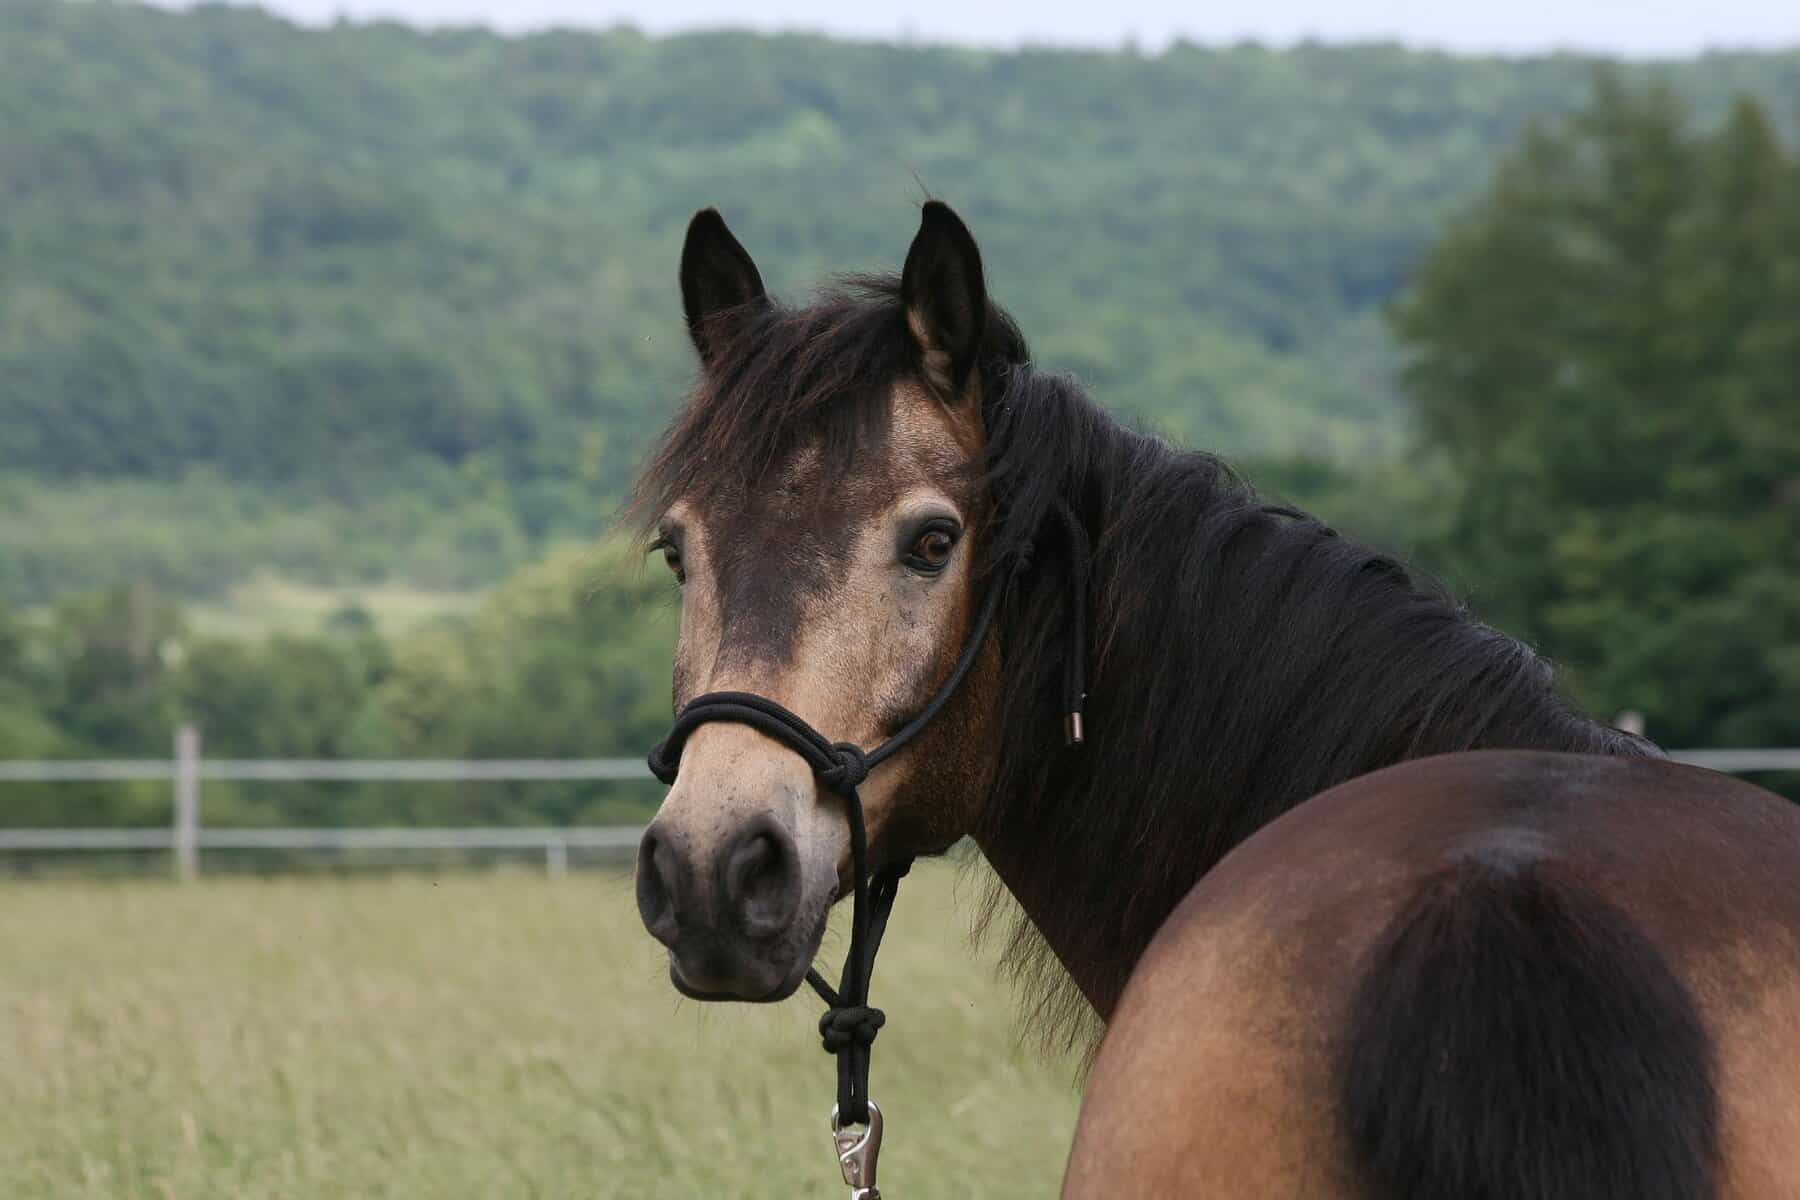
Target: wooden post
187,802
556,857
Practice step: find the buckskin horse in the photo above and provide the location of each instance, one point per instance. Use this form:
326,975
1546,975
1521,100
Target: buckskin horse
1364,907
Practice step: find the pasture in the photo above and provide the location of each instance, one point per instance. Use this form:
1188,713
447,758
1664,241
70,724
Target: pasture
477,1035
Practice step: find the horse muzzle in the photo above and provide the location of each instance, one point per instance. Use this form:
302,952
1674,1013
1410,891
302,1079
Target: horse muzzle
733,915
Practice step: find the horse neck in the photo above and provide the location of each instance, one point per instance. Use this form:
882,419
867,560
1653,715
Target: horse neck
1243,659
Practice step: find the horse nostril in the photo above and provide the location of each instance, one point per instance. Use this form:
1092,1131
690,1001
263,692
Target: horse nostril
762,878
658,877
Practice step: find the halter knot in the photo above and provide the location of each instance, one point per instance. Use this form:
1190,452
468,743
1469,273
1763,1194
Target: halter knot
849,767
853,1023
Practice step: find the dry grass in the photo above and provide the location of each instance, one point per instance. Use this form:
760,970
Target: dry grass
474,1036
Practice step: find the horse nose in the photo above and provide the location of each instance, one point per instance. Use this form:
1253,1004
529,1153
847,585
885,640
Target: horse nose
760,879
756,884
662,871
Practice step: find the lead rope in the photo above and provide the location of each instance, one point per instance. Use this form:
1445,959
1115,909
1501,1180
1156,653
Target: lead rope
848,1028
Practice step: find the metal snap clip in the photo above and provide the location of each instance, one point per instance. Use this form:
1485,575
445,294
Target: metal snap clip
856,1151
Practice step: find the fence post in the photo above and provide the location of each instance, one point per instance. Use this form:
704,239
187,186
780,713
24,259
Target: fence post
556,857
187,802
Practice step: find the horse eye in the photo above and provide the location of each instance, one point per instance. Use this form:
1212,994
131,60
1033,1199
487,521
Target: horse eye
930,551
672,556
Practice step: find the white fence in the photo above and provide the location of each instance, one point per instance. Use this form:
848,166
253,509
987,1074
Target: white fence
186,836
1737,762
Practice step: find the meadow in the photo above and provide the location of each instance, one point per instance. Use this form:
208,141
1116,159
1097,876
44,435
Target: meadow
477,1035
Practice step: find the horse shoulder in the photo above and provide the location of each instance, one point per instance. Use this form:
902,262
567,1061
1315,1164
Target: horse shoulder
1212,1077
1217,1075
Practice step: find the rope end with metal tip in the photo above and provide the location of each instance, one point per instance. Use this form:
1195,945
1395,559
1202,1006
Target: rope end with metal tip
857,1150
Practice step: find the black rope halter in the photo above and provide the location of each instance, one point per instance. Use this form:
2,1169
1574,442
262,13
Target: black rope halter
849,1025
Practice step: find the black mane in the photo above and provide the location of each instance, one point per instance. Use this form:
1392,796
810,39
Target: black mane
1242,656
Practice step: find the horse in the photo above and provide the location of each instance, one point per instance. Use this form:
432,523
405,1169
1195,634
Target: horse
1355,901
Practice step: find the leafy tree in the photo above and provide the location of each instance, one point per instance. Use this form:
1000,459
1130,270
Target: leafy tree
1604,347
26,731
116,654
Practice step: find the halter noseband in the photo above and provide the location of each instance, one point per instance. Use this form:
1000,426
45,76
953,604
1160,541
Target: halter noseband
849,1025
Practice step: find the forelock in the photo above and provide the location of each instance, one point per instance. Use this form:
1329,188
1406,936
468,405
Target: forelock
817,377
820,377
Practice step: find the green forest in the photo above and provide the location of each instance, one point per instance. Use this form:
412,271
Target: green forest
367,302
369,306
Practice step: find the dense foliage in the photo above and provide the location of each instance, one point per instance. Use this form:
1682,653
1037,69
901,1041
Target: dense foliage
368,300
569,659
1607,348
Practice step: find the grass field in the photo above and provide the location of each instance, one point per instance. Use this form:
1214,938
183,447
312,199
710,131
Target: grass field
476,1035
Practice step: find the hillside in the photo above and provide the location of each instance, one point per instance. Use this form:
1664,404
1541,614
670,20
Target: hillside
368,302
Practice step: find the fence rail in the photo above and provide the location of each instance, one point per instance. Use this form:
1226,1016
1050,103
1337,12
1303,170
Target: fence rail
1736,762
186,836
326,769
402,837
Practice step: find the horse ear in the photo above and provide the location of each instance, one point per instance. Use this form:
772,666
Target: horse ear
945,297
717,276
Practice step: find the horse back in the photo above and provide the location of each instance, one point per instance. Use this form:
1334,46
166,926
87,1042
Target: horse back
1493,973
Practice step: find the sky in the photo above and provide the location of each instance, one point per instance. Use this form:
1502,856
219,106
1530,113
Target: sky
1634,28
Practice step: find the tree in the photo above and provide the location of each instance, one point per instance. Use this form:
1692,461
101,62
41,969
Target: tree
1605,348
